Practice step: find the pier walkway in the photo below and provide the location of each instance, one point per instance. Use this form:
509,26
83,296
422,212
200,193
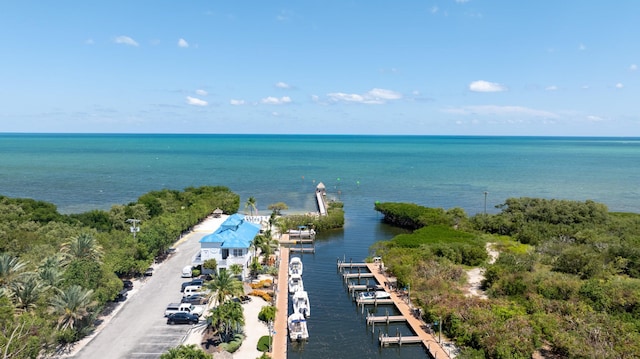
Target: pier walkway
428,340
279,350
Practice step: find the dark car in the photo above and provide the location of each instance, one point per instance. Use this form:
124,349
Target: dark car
197,299
122,296
182,318
127,284
196,281
148,272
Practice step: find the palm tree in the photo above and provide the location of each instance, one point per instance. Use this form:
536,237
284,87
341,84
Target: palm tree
236,269
186,351
251,205
83,246
224,286
73,305
50,271
12,270
27,292
227,319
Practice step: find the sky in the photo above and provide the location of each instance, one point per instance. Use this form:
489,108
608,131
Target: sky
447,67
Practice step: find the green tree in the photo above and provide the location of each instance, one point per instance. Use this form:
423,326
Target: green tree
83,246
277,208
251,204
186,352
224,286
211,264
267,313
12,269
27,293
235,269
72,306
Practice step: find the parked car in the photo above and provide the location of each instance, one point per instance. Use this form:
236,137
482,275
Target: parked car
121,296
182,318
197,299
192,289
127,284
187,272
183,307
197,282
148,272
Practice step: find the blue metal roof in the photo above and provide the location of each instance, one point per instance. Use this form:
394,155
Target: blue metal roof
234,232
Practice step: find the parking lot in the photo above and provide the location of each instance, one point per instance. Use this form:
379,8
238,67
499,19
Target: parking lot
139,328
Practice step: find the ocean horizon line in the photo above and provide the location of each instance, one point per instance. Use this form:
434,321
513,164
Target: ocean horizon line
342,135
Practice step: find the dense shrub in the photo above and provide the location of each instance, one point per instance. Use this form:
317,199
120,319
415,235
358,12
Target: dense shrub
264,343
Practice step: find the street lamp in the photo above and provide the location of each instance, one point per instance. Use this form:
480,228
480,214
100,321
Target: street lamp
134,226
271,332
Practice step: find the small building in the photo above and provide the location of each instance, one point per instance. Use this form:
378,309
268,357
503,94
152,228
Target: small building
217,213
229,244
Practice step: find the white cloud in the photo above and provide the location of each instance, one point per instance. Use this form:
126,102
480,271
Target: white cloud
196,101
89,42
276,101
374,96
486,86
593,118
619,85
462,1
283,85
585,87
235,102
633,67
582,47
126,40
202,92
434,9
183,43
551,88
494,110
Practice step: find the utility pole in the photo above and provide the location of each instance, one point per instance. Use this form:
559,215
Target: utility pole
134,226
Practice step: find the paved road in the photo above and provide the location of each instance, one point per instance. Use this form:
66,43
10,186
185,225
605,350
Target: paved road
139,329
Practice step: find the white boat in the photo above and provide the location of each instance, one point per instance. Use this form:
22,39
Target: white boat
295,266
379,294
301,303
295,283
297,327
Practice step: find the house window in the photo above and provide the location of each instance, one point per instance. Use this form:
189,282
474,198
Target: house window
238,252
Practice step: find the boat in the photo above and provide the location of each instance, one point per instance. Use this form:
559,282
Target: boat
295,266
295,283
379,294
301,303
297,327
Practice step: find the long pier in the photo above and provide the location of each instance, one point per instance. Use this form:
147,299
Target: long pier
279,349
429,341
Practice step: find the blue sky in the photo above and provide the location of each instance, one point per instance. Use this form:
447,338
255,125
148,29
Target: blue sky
448,67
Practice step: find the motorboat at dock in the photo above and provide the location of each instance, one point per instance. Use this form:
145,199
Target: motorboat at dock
301,303
374,295
297,325
295,266
295,283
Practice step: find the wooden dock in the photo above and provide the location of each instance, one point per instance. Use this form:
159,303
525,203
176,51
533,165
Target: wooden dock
428,340
302,249
372,319
360,287
385,340
280,339
342,265
357,275
295,241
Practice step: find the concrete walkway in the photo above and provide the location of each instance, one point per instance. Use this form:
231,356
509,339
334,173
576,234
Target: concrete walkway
279,350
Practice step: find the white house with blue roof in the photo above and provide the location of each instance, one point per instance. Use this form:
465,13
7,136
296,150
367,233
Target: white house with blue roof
229,244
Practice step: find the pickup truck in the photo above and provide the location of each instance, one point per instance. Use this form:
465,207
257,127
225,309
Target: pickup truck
183,307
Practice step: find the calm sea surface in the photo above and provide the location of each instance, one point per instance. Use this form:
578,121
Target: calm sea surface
84,172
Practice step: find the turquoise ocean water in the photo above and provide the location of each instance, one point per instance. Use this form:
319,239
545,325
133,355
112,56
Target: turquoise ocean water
84,172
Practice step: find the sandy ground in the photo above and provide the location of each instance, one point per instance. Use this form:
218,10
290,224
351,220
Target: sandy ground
476,275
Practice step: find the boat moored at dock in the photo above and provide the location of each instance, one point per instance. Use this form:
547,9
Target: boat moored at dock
295,266
295,283
376,295
301,303
297,327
